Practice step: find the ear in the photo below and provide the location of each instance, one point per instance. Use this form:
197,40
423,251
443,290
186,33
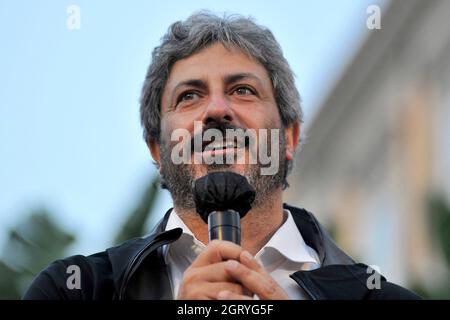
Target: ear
292,134
155,149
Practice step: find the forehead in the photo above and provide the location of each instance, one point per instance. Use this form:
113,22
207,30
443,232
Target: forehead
215,61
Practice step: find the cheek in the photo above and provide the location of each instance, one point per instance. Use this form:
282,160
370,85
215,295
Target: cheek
165,133
175,130
269,117
168,125
258,120
173,121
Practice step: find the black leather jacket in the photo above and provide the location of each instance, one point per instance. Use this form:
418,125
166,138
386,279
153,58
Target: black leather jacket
136,270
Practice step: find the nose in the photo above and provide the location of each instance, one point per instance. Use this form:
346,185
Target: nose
218,110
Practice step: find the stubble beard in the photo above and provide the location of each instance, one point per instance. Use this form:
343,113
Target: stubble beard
178,179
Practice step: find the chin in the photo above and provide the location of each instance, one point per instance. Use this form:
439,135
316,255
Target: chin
202,170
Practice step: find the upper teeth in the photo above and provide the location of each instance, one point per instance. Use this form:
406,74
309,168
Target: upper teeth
220,145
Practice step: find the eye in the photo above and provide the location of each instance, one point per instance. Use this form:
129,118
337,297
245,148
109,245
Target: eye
187,96
243,91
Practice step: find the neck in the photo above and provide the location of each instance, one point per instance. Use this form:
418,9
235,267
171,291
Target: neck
257,227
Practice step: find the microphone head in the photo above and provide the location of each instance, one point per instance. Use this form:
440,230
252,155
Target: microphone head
220,191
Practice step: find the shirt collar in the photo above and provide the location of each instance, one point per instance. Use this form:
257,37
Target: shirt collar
175,221
287,233
187,239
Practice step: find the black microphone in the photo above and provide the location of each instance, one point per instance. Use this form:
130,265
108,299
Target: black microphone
222,199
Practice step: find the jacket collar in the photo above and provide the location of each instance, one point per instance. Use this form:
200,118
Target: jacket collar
127,258
338,282
317,238
339,277
130,256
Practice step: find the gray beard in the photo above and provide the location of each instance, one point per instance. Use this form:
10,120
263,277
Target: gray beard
179,178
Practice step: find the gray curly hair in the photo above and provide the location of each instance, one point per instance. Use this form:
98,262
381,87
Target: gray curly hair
200,30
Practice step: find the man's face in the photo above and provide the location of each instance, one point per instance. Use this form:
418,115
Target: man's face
220,88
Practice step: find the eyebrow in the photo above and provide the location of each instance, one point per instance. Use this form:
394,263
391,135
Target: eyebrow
232,78
228,80
198,83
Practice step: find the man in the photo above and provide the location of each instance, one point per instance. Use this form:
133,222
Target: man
221,74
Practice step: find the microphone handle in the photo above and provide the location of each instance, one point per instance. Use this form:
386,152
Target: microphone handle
225,225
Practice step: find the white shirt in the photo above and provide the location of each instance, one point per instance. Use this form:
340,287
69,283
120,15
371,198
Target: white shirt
279,256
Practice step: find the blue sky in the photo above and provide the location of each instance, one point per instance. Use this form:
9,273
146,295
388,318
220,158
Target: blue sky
70,138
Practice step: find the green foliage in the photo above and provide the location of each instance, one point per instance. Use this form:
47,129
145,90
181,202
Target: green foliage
134,226
439,223
37,241
30,247
439,213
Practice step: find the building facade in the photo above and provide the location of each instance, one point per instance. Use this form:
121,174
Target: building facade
379,146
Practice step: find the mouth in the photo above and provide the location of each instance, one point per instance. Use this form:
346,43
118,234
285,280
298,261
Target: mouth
221,147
